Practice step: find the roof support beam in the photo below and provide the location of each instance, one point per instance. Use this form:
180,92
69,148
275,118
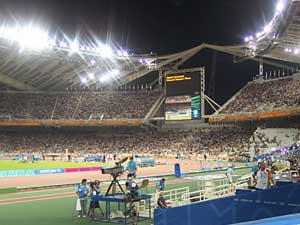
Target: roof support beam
15,84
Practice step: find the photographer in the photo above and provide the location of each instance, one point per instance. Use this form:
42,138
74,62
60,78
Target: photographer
94,193
134,197
81,191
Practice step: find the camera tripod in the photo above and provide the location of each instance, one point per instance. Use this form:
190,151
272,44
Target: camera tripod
113,185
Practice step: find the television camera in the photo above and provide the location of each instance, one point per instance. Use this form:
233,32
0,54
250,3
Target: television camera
115,172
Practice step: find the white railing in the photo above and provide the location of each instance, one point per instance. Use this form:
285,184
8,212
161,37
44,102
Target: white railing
175,197
209,193
183,196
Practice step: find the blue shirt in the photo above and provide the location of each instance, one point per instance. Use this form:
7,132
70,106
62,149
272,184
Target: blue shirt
138,193
229,171
131,166
95,192
255,170
83,190
160,185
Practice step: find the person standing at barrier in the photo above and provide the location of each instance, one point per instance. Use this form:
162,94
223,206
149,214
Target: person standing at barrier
82,191
229,173
131,168
94,193
261,179
160,185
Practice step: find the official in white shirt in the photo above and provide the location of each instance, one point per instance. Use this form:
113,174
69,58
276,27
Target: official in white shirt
261,179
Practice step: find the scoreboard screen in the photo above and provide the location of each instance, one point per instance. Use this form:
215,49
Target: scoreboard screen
183,84
183,97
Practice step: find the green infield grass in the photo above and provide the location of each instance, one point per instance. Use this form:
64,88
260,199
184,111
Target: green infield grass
19,165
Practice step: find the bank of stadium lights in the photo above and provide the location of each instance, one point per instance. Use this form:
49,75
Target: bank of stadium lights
30,37
27,37
268,28
91,77
295,51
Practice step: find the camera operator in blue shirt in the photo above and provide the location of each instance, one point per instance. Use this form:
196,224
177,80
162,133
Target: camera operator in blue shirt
134,197
132,168
94,193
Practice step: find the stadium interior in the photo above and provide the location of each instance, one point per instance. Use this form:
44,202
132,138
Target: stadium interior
75,102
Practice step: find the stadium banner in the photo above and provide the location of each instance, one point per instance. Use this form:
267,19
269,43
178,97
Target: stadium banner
82,169
254,116
240,208
49,171
14,173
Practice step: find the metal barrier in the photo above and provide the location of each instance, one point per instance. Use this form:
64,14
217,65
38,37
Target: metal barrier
175,197
211,192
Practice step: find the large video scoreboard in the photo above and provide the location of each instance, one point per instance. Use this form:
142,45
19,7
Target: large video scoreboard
183,84
183,96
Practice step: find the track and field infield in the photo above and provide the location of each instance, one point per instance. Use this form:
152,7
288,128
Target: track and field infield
38,165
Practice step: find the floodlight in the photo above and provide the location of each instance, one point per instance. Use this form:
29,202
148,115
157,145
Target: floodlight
106,51
82,48
246,39
30,37
91,76
296,51
52,42
267,28
141,61
115,72
93,62
125,53
148,61
259,34
88,48
280,6
62,44
104,78
286,50
119,53
83,80
74,46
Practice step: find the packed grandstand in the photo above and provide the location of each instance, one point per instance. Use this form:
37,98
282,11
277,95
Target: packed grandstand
237,141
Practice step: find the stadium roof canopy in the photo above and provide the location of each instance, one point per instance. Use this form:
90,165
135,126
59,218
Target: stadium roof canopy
61,66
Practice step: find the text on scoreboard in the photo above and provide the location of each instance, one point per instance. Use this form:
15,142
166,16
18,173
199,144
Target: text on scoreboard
183,84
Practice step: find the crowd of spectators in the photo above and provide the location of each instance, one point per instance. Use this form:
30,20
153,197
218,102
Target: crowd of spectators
76,105
210,141
266,96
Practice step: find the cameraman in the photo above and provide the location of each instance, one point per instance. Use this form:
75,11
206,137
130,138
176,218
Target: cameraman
132,168
134,197
81,191
94,193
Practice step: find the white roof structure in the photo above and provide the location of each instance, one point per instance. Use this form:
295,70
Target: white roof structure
57,68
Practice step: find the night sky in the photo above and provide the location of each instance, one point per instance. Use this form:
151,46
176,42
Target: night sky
162,27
